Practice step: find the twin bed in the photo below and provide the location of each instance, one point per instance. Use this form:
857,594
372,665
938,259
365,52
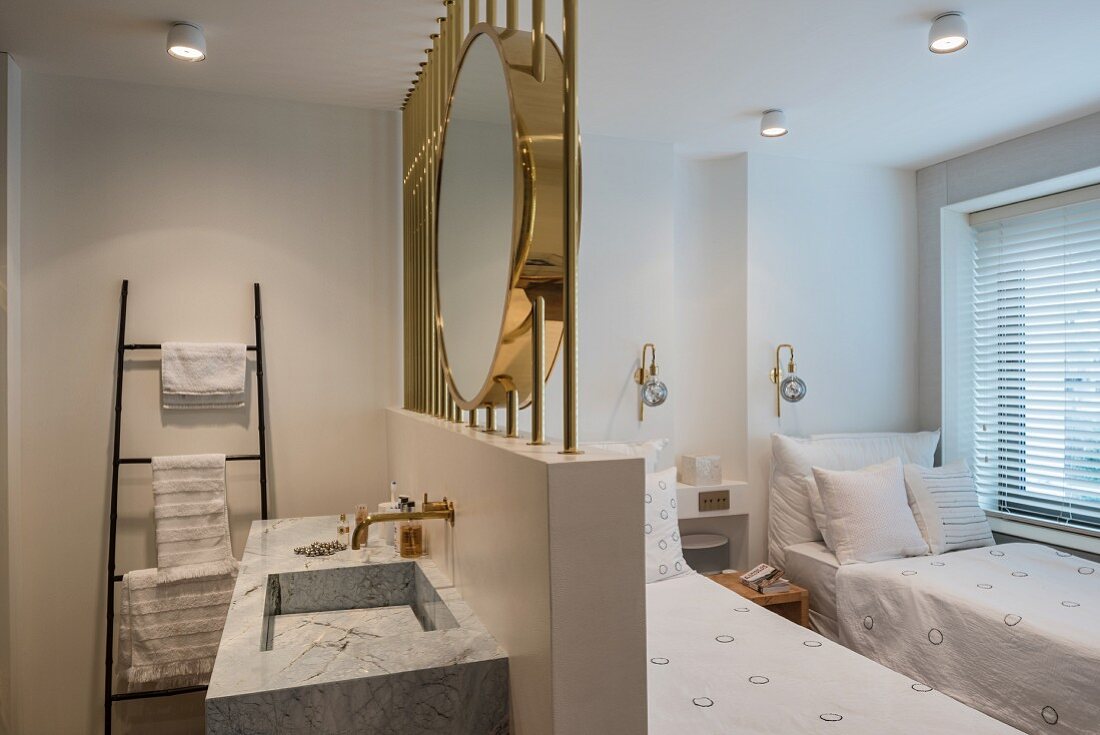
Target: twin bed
720,664
992,639
1012,630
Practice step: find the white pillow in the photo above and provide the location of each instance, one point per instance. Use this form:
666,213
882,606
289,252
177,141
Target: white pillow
818,508
664,556
945,505
790,517
649,449
868,513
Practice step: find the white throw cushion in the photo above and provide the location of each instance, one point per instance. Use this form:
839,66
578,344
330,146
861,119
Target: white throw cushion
790,517
649,449
868,513
818,508
945,505
664,556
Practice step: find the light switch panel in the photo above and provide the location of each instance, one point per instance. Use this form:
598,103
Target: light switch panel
714,500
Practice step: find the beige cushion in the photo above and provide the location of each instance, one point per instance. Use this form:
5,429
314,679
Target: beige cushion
868,513
945,506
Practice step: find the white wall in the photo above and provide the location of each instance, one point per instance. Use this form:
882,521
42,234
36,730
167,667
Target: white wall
711,307
192,196
827,261
626,300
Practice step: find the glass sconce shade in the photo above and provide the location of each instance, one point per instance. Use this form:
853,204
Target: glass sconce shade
793,389
654,392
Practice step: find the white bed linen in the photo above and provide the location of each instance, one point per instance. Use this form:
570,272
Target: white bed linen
1013,630
813,566
720,664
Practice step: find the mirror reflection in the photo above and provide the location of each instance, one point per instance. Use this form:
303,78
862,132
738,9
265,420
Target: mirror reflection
475,225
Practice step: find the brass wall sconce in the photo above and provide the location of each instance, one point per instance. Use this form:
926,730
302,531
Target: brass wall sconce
652,392
791,388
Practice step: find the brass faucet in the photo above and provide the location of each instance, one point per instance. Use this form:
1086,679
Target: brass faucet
443,509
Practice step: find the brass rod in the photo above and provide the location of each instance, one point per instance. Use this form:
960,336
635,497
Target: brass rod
473,419
512,18
511,416
491,12
572,229
429,229
538,372
429,104
456,31
473,13
490,418
538,39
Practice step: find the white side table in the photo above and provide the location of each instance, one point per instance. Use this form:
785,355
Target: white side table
731,523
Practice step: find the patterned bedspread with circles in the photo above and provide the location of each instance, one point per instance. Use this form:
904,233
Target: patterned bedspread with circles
1012,630
718,664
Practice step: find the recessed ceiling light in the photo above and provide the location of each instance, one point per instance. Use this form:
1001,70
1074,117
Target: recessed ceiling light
773,124
948,33
186,42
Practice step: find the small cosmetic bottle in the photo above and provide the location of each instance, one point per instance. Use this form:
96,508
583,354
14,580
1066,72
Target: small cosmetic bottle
411,535
342,530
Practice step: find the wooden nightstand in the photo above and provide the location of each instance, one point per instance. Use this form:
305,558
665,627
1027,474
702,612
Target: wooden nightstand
793,605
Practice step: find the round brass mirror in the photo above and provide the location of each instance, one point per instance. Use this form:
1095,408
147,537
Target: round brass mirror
500,222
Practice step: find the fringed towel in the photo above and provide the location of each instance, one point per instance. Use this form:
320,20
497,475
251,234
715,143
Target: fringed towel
202,375
171,617
169,631
192,519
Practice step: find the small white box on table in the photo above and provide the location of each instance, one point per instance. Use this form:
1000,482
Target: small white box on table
700,469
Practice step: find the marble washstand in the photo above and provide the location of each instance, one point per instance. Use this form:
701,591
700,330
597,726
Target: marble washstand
338,645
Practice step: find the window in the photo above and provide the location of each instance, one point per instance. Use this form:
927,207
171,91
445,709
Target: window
1034,359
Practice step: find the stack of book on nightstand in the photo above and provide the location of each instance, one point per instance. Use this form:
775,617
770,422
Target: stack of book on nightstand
766,580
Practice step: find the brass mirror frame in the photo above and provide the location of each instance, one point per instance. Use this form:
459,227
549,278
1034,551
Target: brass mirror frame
538,217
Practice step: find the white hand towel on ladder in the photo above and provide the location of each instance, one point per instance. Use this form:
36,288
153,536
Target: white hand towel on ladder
169,632
192,518
202,375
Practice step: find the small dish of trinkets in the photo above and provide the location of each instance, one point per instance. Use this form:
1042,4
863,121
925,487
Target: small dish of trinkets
320,548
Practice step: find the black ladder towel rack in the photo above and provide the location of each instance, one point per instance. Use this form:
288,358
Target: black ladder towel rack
109,696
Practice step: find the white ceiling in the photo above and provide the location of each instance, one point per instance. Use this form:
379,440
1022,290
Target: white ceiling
854,76
359,53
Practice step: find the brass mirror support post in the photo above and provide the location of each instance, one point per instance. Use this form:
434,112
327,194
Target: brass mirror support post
572,224
490,419
538,372
511,422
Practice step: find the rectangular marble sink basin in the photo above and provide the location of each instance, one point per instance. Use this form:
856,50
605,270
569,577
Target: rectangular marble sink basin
337,645
367,601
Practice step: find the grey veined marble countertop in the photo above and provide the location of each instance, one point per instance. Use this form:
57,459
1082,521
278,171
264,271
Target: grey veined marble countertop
379,646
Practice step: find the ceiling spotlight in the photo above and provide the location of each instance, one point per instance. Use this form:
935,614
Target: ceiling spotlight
186,42
948,33
773,124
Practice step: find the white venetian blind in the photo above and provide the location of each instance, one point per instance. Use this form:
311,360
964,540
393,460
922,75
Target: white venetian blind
1036,360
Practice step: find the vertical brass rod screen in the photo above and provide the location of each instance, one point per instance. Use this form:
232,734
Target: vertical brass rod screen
424,116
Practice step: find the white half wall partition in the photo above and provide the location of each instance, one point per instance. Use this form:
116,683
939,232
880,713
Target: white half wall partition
549,552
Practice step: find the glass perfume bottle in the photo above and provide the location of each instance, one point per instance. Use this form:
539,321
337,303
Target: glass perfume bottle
411,535
342,529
